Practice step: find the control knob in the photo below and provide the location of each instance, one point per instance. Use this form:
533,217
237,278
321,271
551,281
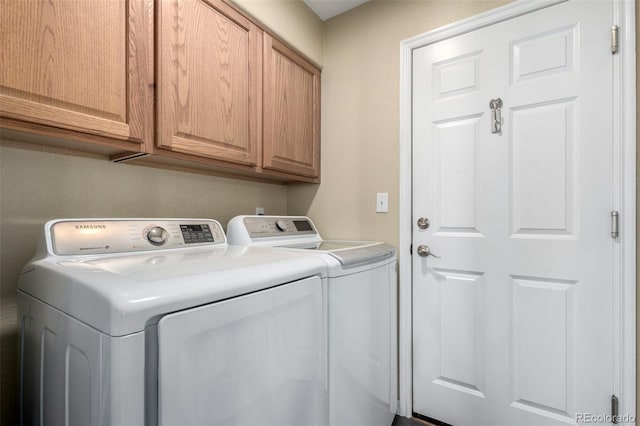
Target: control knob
157,236
281,225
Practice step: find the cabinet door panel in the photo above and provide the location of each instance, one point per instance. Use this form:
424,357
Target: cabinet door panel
77,64
209,67
291,111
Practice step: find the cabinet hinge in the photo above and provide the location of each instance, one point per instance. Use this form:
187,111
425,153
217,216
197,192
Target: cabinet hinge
411,249
615,415
614,224
614,39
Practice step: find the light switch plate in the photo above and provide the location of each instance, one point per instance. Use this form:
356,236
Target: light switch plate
382,202
259,210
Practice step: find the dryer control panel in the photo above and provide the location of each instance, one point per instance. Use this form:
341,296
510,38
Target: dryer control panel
100,236
274,226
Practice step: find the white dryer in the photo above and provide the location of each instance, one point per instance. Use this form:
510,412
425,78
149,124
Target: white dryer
362,304
158,321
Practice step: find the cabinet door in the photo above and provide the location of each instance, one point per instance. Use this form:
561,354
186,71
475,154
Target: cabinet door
209,90
291,111
80,65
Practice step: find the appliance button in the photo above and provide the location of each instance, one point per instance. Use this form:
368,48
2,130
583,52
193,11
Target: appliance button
157,236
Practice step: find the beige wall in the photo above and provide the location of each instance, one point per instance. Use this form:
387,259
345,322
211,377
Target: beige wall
360,114
36,187
292,21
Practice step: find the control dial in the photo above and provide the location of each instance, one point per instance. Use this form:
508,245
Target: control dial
281,225
157,236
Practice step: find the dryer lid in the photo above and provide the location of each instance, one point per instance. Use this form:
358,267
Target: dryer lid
350,253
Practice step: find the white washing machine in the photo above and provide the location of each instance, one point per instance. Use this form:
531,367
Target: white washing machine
159,321
362,305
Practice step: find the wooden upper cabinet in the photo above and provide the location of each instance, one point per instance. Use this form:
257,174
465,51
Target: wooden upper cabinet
78,65
291,134
94,75
209,87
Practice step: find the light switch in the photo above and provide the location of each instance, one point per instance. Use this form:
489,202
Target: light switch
382,202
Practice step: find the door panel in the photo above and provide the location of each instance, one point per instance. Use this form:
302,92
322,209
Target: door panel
210,90
461,318
543,335
543,138
291,111
52,75
456,145
512,323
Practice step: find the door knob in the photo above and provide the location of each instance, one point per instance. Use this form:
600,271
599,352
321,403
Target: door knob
425,251
423,223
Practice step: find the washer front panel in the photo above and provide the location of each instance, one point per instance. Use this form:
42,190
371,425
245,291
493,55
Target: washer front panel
254,359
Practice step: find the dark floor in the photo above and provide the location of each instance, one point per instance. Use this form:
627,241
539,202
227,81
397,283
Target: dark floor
404,421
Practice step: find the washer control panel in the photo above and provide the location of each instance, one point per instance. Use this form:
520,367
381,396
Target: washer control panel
271,226
87,236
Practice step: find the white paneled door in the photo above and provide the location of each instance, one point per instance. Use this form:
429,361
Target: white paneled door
512,324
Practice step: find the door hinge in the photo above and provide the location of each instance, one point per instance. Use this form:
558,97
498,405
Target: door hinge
614,39
614,409
614,224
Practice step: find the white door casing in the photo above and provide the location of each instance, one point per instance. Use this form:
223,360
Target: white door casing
515,217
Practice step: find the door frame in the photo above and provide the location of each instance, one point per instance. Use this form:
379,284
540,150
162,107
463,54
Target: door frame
624,192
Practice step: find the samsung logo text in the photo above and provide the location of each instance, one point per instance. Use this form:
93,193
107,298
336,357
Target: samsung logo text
91,226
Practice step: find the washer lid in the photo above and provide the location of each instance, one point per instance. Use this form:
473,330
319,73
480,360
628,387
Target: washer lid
121,294
350,253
